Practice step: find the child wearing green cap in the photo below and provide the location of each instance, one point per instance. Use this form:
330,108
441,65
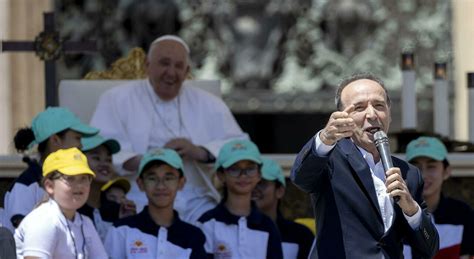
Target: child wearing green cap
53,129
157,231
453,218
54,229
235,228
103,212
296,238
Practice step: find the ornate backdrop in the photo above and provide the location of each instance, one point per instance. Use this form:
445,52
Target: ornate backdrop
270,55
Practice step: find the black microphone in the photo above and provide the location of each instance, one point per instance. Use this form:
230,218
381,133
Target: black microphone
381,142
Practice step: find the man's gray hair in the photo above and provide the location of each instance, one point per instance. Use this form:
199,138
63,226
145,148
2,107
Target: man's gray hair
355,77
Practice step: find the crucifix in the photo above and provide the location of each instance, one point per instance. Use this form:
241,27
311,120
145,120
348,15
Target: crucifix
48,46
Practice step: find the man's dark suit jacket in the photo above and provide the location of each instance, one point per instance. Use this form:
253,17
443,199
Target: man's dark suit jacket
348,218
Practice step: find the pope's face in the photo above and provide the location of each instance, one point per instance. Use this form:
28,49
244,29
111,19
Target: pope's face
167,67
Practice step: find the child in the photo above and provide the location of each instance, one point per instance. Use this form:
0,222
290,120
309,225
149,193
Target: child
297,239
157,231
235,228
54,229
115,190
99,151
52,129
453,219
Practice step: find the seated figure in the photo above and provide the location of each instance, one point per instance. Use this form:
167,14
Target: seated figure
159,112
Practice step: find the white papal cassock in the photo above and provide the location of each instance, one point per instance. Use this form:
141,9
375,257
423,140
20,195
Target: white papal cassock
134,115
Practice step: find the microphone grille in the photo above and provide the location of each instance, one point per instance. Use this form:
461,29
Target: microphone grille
380,137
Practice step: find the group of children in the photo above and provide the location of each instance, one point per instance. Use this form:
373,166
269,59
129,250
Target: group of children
70,203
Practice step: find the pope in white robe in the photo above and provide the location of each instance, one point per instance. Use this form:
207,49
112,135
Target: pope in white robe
158,112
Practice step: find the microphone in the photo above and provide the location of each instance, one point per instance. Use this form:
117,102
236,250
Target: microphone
381,142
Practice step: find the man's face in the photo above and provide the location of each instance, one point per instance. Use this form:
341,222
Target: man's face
433,173
167,67
371,111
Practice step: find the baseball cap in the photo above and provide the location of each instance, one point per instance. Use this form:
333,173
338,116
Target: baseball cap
426,146
237,150
271,171
166,155
56,119
91,142
119,181
69,161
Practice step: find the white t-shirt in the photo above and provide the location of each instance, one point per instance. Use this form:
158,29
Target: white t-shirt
46,233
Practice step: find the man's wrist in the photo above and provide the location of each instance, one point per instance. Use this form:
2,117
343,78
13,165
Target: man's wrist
324,139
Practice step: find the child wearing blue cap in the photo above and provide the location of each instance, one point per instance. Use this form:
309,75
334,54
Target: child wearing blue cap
157,231
296,238
103,212
454,219
53,129
235,228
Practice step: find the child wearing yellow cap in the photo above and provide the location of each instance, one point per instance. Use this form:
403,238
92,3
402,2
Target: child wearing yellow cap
235,228
54,229
296,238
51,130
157,231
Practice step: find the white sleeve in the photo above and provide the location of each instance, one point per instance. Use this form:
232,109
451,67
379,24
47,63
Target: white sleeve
107,118
415,220
39,237
321,148
94,244
223,127
115,243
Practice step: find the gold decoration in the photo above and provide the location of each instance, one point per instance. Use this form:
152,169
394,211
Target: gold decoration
48,46
130,67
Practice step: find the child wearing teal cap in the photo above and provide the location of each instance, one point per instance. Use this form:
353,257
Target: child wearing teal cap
157,231
296,238
99,153
103,212
53,129
235,228
453,218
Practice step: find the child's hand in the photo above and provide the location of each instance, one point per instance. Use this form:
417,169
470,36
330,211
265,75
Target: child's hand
127,208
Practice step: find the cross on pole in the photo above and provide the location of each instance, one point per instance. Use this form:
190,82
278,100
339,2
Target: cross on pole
48,46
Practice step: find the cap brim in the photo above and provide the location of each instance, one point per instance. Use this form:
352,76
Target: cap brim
112,145
76,170
177,167
423,154
121,182
85,129
236,159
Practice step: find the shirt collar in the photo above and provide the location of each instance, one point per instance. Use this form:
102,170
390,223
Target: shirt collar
149,226
224,215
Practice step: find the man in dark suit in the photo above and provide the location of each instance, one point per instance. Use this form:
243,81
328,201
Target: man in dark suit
353,196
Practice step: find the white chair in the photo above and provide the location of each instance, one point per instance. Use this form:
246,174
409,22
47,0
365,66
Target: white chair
81,96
